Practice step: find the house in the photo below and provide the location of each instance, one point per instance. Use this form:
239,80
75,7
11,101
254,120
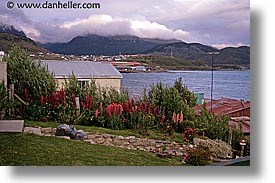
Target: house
231,107
103,73
238,110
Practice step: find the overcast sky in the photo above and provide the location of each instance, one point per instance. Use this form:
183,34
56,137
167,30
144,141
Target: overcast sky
219,23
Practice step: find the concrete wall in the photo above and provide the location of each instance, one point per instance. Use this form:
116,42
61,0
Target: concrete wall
3,72
102,82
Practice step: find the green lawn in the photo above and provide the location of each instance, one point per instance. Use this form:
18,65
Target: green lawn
19,149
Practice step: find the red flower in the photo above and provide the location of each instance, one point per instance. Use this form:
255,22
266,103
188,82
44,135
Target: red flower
120,109
42,101
144,108
83,105
149,106
90,102
127,109
26,94
132,103
54,100
47,99
156,111
73,99
139,106
108,110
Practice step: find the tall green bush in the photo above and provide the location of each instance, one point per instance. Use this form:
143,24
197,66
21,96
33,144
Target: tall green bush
172,99
31,80
214,127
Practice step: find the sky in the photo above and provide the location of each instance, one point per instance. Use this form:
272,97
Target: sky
219,23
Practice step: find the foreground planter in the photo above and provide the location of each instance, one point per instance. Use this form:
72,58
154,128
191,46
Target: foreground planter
11,125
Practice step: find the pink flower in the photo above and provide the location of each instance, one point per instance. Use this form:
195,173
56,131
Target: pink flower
42,101
100,108
90,102
26,94
96,113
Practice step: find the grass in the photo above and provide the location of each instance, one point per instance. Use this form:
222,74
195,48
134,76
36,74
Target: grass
153,134
19,149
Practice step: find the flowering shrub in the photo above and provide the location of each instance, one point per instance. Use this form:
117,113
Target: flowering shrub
199,157
189,134
114,116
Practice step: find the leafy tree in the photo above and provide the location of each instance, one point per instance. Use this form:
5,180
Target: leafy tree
29,78
188,96
173,99
215,127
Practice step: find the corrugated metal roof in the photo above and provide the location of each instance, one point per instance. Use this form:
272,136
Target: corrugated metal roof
81,69
224,106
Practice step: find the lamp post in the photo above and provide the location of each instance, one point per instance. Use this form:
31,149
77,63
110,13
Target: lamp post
2,54
212,75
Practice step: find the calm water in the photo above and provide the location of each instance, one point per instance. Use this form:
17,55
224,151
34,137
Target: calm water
229,84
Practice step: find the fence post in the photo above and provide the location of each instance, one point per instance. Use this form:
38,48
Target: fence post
77,106
12,96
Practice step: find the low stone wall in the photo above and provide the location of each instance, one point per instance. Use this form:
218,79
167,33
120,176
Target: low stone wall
130,142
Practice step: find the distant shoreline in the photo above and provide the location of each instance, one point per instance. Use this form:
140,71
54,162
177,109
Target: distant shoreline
179,69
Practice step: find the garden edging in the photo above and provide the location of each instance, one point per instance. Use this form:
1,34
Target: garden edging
130,142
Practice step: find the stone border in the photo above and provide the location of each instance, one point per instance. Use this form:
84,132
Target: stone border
130,142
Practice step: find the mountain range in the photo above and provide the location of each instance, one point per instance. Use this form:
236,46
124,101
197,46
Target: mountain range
91,44
9,36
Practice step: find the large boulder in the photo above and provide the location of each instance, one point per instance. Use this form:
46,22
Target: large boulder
66,130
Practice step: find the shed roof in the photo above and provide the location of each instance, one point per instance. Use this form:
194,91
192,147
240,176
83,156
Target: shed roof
224,106
81,69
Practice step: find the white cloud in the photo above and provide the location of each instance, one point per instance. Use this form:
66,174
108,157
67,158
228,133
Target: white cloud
205,21
104,24
224,45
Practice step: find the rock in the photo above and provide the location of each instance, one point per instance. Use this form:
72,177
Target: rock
80,135
92,142
47,130
116,142
100,140
48,135
66,130
108,141
132,140
63,137
90,136
120,138
36,131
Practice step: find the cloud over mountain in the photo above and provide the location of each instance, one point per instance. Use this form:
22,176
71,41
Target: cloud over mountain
205,21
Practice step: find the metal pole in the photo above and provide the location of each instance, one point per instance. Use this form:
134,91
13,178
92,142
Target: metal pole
212,80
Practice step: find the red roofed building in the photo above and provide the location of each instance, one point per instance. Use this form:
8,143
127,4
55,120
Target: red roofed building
232,107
